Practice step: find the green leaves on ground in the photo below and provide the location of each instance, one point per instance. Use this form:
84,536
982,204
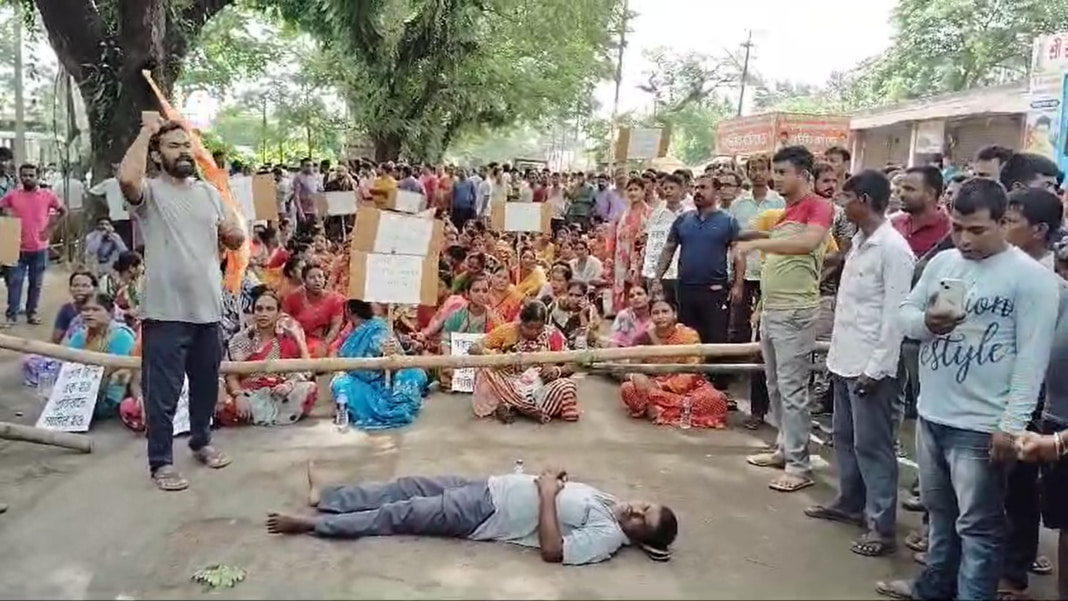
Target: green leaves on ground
219,576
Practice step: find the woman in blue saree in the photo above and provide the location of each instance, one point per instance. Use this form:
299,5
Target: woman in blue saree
373,402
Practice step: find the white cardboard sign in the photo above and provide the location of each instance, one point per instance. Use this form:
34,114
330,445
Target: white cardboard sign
522,217
409,202
70,406
463,379
393,279
403,235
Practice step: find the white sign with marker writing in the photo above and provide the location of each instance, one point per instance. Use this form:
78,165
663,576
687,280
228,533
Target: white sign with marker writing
463,379
408,201
403,235
522,217
340,203
181,413
70,406
644,143
393,279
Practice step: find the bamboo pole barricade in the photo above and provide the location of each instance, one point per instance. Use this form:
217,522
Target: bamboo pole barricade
66,440
396,362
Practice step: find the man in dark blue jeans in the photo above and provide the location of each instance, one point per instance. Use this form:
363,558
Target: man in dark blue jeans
37,209
985,342
184,223
704,238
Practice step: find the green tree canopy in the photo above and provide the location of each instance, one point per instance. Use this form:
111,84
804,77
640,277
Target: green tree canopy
418,73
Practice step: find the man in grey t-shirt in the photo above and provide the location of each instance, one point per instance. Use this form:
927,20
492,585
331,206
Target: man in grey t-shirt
184,223
570,522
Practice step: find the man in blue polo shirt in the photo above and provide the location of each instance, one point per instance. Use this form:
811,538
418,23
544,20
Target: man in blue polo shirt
464,194
704,239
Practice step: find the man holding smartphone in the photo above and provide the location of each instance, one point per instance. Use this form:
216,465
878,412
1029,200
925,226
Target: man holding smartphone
980,372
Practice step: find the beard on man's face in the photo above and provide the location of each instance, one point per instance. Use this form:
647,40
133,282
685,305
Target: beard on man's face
181,166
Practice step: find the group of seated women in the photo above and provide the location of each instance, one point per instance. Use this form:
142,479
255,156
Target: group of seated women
302,311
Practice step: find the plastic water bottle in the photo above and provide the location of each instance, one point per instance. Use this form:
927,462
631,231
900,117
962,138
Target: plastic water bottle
685,418
518,466
46,381
342,416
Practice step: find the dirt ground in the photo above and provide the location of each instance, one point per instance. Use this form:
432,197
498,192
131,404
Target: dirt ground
94,527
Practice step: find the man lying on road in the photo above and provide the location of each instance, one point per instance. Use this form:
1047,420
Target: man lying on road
570,522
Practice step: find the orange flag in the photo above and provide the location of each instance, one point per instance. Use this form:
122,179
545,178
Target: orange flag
236,260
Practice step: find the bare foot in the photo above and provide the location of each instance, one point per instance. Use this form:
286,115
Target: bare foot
281,523
315,484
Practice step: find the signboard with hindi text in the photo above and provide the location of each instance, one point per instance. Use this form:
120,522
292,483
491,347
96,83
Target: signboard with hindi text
1044,131
387,232
70,406
769,132
393,278
521,216
463,378
10,240
336,203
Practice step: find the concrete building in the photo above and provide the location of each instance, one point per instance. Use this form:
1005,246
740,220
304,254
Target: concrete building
955,125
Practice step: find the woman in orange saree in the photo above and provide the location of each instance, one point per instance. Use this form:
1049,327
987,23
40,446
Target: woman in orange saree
542,393
664,399
319,311
504,299
625,240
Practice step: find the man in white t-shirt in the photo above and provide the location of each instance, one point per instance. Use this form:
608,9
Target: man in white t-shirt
656,232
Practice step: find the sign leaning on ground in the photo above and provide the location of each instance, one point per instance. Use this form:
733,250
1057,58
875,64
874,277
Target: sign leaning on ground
70,406
463,379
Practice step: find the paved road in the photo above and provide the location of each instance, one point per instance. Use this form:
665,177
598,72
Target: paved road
93,526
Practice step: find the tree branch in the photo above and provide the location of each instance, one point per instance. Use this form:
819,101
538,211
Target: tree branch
143,25
202,11
75,30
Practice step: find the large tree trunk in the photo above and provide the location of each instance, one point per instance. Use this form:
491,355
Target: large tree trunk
387,146
106,59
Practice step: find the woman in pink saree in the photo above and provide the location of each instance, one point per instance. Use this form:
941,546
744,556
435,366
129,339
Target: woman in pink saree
625,242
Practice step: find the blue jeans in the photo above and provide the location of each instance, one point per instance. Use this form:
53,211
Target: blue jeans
864,432
964,493
32,263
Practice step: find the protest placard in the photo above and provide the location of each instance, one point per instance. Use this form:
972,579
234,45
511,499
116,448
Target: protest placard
642,143
70,406
264,197
386,232
393,278
10,240
241,190
181,412
336,203
404,201
463,379
521,216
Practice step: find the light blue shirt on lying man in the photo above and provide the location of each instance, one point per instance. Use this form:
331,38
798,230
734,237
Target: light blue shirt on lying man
985,375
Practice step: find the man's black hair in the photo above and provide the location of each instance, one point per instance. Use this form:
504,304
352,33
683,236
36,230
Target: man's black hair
932,177
994,152
798,156
1039,206
979,194
840,151
871,185
1024,167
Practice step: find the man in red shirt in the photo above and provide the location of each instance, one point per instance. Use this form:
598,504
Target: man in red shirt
789,288
37,210
923,223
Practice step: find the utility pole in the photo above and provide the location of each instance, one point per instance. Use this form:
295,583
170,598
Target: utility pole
748,45
619,82
20,109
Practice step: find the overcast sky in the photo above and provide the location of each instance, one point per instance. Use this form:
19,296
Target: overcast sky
797,41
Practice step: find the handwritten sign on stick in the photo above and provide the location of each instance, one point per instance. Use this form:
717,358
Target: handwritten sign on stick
264,198
463,379
386,232
402,279
336,203
10,235
70,407
521,217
